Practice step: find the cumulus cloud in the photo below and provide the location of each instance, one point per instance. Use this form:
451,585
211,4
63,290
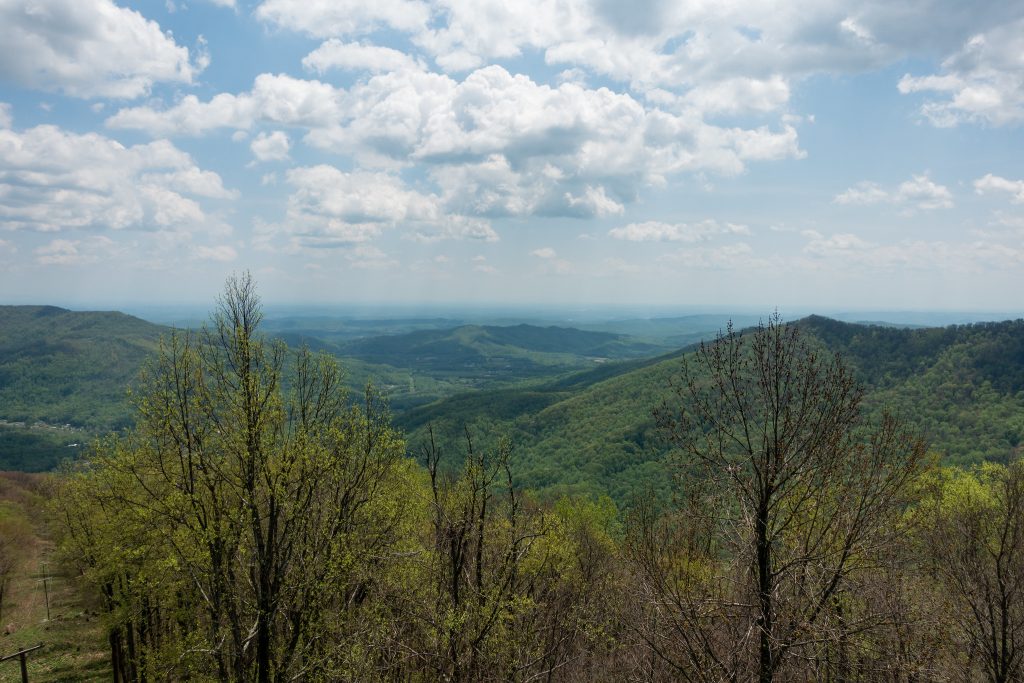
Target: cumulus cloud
191,180
369,257
64,252
924,194
657,231
740,95
329,18
739,256
862,193
842,243
850,251
331,208
274,99
919,192
654,44
335,54
272,147
454,227
993,183
223,253
495,144
51,179
981,82
553,265
89,48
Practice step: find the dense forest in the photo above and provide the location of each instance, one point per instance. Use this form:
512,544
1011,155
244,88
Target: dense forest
259,522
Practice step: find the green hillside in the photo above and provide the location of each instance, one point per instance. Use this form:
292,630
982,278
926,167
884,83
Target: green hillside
494,352
962,386
68,367
64,375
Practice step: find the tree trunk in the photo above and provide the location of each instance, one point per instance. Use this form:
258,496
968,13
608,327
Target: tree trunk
766,660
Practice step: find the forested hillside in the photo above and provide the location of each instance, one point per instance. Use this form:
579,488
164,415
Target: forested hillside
65,375
585,431
60,366
594,432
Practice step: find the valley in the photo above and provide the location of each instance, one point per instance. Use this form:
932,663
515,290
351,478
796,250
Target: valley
576,403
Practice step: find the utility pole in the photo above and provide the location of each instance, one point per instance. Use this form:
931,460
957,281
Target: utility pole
46,592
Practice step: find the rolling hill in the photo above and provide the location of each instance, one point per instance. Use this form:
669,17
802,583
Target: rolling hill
64,375
576,403
68,367
961,386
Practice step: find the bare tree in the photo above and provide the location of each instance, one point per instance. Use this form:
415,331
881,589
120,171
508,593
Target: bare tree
799,496
976,541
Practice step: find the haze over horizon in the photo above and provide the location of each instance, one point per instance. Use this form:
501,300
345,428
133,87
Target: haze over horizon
814,156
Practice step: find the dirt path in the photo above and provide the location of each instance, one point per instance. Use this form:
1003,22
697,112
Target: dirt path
73,635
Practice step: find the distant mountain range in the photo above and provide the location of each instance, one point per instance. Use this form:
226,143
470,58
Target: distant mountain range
962,387
64,375
576,403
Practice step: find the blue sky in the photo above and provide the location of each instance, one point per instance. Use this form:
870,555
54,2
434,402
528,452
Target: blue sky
750,153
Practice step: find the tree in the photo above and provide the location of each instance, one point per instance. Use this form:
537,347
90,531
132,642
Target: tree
974,537
267,502
790,496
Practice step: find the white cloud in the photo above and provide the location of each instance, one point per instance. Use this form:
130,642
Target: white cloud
924,194
274,99
655,43
740,95
981,82
54,180
919,192
843,243
553,264
862,193
495,144
63,252
223,253
327,18
272,147
848,251
657,231
452,227
368,257
191,180
738,256
994,183
334,54
6,118
88,48
331,208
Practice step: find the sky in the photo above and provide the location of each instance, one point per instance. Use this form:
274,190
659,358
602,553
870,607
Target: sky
754,153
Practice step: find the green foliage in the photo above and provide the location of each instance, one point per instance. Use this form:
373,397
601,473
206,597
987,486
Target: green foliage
39,448
59,366
592,432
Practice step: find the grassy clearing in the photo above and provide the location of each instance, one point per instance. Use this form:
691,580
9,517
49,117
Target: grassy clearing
73,637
